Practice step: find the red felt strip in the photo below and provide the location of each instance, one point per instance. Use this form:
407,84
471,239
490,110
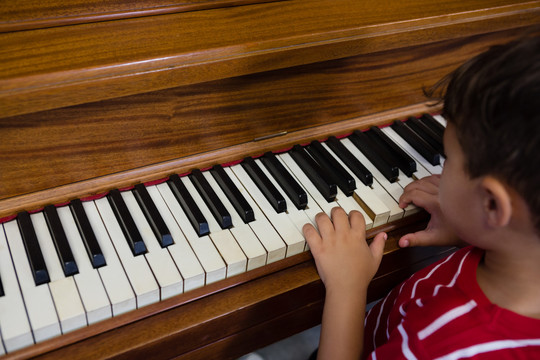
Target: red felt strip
7,218
156,182
231,163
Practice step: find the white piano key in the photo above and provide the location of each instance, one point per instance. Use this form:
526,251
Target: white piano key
298,217
14,325
392,188
365,196
38,300
395,211
420,169
203,247
167,276
343,201
268,236
137,270
224,241
444,123
63,289
441,120
244,235
185,259
302,178
420,160
113,276
348,203
93,294
284,226
312,208
2,350
403,180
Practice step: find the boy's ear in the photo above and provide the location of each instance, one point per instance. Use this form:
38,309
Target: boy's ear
497,202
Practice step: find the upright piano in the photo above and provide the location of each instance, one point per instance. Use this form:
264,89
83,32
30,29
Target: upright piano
111,112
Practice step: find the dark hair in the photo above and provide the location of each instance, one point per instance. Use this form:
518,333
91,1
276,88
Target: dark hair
494,102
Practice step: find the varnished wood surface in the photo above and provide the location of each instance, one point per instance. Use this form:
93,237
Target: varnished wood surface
159,133
62,66
89,107
231,317
60,194
20,15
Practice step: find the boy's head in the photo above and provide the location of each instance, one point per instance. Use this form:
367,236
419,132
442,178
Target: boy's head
493,101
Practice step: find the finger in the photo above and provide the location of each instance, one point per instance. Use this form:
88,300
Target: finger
310,231
428,184
377,246
340,219
325,225
358,223
419,198
312,236
434,179
420,238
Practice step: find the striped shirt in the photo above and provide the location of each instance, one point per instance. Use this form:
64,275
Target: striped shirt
441,313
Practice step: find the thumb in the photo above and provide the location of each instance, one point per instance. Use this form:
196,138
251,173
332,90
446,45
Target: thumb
420,238
377,246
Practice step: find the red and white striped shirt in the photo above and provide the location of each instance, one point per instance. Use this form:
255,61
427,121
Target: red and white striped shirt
441,313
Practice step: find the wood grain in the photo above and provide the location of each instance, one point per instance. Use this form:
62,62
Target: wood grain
63,66
93,106
206,122
36,14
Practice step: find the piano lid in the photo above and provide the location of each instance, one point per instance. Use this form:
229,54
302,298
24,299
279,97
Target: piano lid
61,66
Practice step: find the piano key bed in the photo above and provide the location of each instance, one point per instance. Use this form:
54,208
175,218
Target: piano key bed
68,266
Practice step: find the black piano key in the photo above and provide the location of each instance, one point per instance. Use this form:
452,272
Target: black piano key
365,145
87,234
272,194
160,229
320,178
211,199
188,204
426,133
341,177
401,158
433,124
233,194
127,224
426,150
291,187
69,266
33,251
350,160
1,287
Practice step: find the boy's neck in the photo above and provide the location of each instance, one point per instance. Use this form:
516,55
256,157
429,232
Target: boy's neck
508,276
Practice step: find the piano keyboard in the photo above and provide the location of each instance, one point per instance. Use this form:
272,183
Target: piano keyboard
70,266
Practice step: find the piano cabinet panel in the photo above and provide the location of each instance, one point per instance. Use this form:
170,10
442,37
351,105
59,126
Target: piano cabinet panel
66,146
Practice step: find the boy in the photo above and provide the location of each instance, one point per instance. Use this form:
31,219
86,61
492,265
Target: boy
483,301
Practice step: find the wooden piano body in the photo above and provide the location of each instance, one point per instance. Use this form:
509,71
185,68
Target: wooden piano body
95,97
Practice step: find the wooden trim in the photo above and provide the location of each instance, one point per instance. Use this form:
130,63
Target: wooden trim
28,15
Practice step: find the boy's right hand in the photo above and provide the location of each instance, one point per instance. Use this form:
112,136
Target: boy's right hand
425,194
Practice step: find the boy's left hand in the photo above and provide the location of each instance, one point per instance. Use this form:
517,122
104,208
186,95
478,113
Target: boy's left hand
344,260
